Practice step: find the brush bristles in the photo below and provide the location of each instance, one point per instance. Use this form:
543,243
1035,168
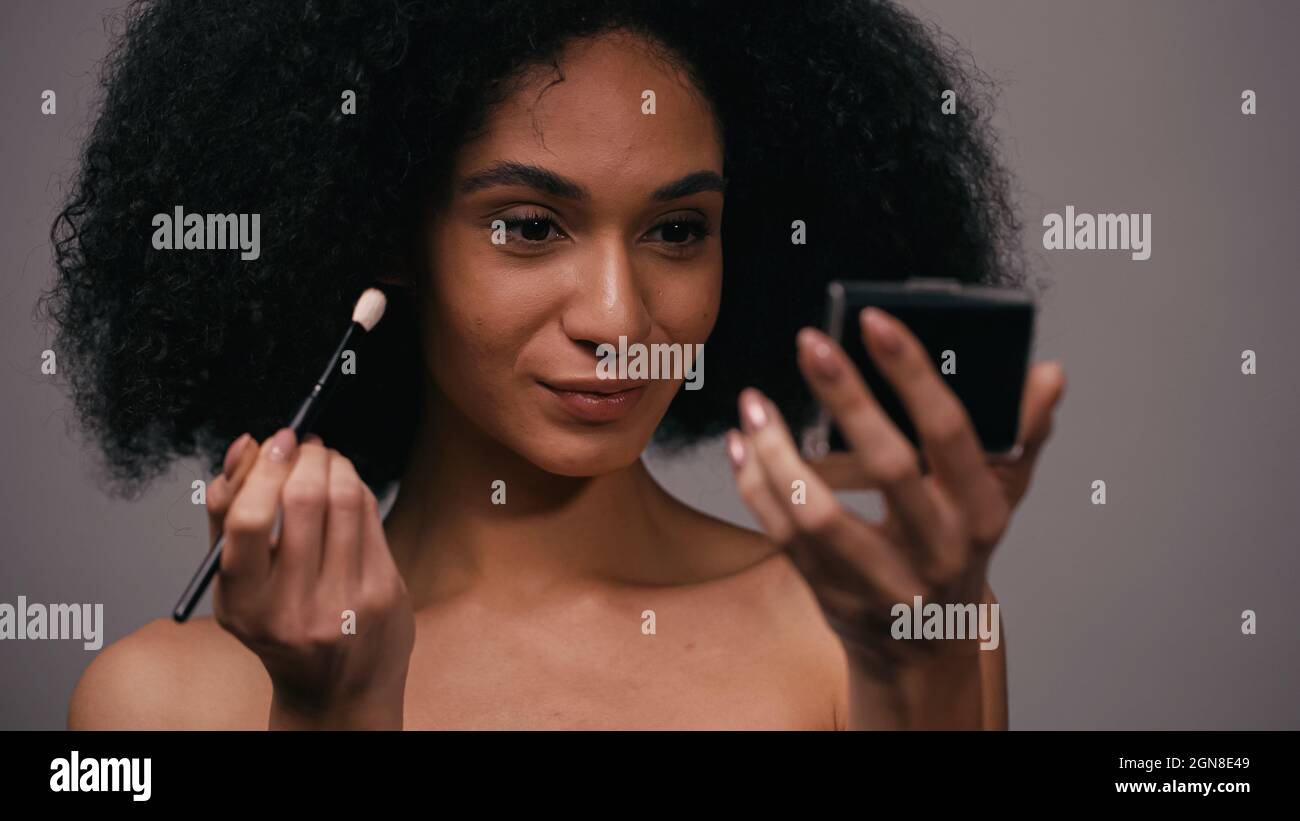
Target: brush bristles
370,308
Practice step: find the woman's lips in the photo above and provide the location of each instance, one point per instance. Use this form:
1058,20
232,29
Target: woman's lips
604,401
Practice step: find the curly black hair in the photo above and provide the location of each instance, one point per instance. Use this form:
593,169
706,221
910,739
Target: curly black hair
831,113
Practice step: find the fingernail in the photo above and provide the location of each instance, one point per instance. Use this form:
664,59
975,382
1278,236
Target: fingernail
882,328
735,449
282,445
752,408
824,362
232,454
313,438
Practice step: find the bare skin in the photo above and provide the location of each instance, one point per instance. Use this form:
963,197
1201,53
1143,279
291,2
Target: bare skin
748,650
530,614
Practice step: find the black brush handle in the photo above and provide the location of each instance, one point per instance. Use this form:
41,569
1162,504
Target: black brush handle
302,424
311,407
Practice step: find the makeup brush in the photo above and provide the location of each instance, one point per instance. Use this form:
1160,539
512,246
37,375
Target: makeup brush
365,316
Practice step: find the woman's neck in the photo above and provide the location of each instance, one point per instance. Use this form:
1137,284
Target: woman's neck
471,514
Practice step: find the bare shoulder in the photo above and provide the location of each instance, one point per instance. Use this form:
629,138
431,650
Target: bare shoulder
168,676
769,596
768,585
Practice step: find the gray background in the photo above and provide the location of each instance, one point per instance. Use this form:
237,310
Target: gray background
1118,616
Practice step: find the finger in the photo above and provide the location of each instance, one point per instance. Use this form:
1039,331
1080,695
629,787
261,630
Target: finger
803,496
1044,388
942,423
344,520
379,569
376,556
298,553
248,523
842,471
238,462
831,546
754,491
887,458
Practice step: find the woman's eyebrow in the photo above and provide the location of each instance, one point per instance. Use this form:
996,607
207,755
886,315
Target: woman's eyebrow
530,176
541,179
692,183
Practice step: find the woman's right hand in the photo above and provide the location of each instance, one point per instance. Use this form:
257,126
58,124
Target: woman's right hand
323,605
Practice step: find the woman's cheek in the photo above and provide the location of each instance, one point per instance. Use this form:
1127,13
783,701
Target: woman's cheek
687,307
474,349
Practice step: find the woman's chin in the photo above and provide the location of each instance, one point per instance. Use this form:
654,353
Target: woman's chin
585,455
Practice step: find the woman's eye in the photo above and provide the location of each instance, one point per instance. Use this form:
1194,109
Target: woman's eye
680,231
533,229
536,229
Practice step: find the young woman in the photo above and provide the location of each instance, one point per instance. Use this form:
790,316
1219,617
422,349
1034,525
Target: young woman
529,182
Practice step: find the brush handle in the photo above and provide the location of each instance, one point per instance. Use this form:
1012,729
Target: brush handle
305,418
200,581
302,424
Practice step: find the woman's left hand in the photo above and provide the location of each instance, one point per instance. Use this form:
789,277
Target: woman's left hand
941,526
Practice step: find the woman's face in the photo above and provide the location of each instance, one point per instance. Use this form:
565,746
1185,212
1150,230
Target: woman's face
611,224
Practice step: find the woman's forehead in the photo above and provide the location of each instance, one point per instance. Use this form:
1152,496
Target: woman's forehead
612,111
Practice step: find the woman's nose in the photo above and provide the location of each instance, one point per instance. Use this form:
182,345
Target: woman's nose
606,302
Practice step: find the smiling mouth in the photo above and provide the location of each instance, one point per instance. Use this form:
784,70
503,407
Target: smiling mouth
595,404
